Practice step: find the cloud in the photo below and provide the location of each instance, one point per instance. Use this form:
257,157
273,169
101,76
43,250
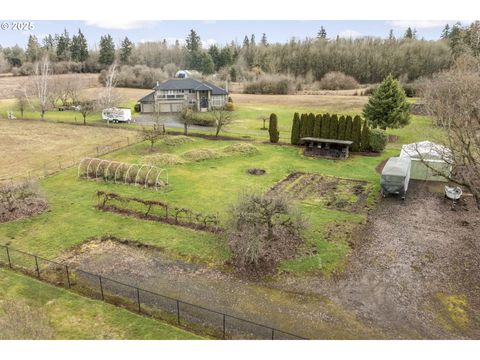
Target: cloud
349,34
122,24
207,43
417,24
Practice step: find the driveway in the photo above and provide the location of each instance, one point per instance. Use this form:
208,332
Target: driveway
170,121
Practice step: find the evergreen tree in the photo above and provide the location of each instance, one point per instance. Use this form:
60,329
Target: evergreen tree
79,47
356,133
303,125
273,129
322,33
387,107
317,130
106,55
295,137
126,49
63,46
325,129
215,54
233,74
33,49
365,139
410,34
390,35
445,32
348,128
246,42
311,124
264,40
341,128
334,127
193,41
252,40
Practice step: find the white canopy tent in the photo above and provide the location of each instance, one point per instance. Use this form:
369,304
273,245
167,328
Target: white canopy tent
433,155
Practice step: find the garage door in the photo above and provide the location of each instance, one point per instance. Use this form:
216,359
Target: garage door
176,107
164,107
147,108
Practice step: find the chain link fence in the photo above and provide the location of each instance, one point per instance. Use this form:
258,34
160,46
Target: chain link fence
191,316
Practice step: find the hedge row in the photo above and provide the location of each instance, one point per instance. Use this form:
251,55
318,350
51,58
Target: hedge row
332,126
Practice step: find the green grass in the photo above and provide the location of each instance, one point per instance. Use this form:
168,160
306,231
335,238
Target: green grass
74,317
205,186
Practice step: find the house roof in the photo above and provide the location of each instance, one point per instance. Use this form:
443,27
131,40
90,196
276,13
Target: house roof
329,141
148,98
190,84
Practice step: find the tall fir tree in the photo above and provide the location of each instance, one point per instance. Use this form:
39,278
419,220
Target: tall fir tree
32,53
106,55
126,49
387,107
79,47
334,127
356,133
264,40
63,46
365,140
193,42
317,130
348,128
322,33
341,128
295,136
273,129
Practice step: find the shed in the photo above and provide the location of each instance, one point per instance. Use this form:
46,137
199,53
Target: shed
396,176
329,148
433,155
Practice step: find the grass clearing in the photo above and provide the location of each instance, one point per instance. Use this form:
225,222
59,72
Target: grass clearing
74,317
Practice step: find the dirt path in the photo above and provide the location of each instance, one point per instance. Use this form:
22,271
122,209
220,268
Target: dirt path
416,271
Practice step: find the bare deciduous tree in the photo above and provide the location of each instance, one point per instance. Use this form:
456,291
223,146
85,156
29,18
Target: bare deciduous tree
452,98
21,100
222,118
40,87
186,116
153,134
86,107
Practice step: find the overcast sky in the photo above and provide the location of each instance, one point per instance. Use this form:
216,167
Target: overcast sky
221,32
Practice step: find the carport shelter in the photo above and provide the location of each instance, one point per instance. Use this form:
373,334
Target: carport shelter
433,155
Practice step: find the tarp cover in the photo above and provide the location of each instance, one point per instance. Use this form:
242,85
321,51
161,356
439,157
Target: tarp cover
435,155
396,175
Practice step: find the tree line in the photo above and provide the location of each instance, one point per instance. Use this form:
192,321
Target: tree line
367,59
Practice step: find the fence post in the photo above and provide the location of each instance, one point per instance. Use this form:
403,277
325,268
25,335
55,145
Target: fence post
8,256
36,266
101,287
178,312
138,300
223,326
68,277
273,334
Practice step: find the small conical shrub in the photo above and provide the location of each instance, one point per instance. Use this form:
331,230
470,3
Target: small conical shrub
356,133
365,139
317,129
341,128
325,126
348,128
295,136
334,127
273,129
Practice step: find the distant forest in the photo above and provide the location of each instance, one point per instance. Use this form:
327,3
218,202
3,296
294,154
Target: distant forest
368,60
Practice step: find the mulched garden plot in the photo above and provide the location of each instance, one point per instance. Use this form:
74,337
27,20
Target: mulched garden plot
333,193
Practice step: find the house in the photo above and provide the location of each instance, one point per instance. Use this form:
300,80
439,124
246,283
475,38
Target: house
174,94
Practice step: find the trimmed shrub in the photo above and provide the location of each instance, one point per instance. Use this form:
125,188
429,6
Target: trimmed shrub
348,128
377,140
295,136
136,108
325,128
341,128
273,129
311,124
356,133
317,129
365,140
334,127
336,80
303,125
230,106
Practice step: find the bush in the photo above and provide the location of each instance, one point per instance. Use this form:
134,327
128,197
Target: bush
138,76
378,140
273,129
201,119
19,200
278,84
336,80
230,106
241,148
201,154
136,108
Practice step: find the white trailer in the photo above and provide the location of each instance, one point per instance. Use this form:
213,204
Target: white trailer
117,115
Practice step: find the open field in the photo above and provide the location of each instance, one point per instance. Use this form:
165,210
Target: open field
73,317
31,146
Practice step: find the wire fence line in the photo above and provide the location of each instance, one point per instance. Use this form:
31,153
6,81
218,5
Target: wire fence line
193,317
64,161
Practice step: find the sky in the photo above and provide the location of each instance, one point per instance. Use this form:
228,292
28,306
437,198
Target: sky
221,32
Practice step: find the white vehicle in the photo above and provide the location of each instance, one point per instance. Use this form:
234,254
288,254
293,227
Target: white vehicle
117,115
